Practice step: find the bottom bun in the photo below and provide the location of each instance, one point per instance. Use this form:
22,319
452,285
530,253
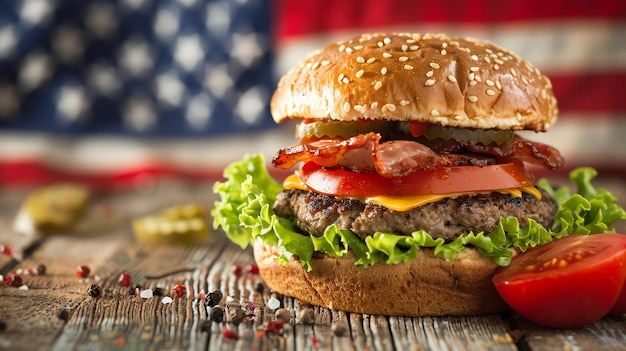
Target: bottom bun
426,286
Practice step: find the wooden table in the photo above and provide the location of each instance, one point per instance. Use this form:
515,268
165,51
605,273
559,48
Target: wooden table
31,319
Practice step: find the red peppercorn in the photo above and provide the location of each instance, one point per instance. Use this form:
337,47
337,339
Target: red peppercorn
236,269
179,291
274,326
6,249
82,271
229,333
124,280
13,280
253,269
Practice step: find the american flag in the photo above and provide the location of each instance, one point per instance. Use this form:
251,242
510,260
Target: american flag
106,90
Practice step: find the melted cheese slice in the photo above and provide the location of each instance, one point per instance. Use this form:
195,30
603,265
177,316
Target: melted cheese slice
406,203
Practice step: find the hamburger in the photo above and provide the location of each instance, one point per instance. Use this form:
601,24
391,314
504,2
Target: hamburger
410,184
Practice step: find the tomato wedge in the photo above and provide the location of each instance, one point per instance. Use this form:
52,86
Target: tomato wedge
439,180
568,283
619,307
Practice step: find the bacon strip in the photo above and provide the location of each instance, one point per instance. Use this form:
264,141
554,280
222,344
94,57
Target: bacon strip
366,153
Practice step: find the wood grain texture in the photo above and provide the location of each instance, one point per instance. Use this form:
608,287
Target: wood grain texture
121,321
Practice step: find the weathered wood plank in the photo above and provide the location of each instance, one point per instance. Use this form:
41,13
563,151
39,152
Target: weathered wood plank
118,321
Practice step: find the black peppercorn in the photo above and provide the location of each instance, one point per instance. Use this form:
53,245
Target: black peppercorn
259,287
63,314
41,269
214,298
236,314
157,291
94,291
339,328
217,314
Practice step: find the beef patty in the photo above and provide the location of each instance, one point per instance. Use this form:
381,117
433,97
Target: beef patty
447,218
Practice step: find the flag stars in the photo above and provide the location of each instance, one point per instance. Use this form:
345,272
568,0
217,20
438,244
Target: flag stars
251,106
188,52
68,44
170,90
72,101
135,57
101,19
246,48
8,40
139,113
36,69
35,12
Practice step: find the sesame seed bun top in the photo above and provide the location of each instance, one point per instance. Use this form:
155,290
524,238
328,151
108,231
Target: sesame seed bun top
430,78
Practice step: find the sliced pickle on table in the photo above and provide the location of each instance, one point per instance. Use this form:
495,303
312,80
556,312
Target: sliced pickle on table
52,209
178,225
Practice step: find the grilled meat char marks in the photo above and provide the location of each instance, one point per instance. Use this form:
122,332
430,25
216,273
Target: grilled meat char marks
447,218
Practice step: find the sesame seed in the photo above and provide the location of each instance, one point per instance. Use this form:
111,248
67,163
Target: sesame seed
444,45
358,47
472,83
525,80
388,107
491,92
325,63
386,41
378,85
452,78
518,116
405,47
429,74
460,118
406,102
496,67
474,58
490,82
474,69
342,48
487,59
315,65
341,76
408,67
543,93
345,80
429,82
374,105
434,65
403,58
360,73
498,61
380,44
434,113
360,59
346,107
443,51
386,54
371,59
478,79
498,85
472,98
349,50
413,47
410,41
471,76
383,71
513,72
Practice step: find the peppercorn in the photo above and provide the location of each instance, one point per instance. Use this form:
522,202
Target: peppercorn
339,328
179,291
214,298
63,314
94,291
217,314
236,314
41,269
157,291
13,280
259,287
306,316
124,280
283,314
82,271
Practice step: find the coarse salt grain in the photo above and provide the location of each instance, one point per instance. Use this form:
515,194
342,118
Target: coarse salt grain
146,294
166,300
273,303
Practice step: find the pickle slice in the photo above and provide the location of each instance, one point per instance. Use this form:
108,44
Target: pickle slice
179,225
484,136
319,129
52,209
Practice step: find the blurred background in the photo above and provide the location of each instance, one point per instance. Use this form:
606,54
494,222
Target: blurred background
107,91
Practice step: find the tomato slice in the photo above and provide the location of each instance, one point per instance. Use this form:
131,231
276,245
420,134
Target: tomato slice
439,180
568,283
619,307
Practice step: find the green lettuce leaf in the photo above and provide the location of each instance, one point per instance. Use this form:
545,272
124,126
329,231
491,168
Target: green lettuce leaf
245,213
